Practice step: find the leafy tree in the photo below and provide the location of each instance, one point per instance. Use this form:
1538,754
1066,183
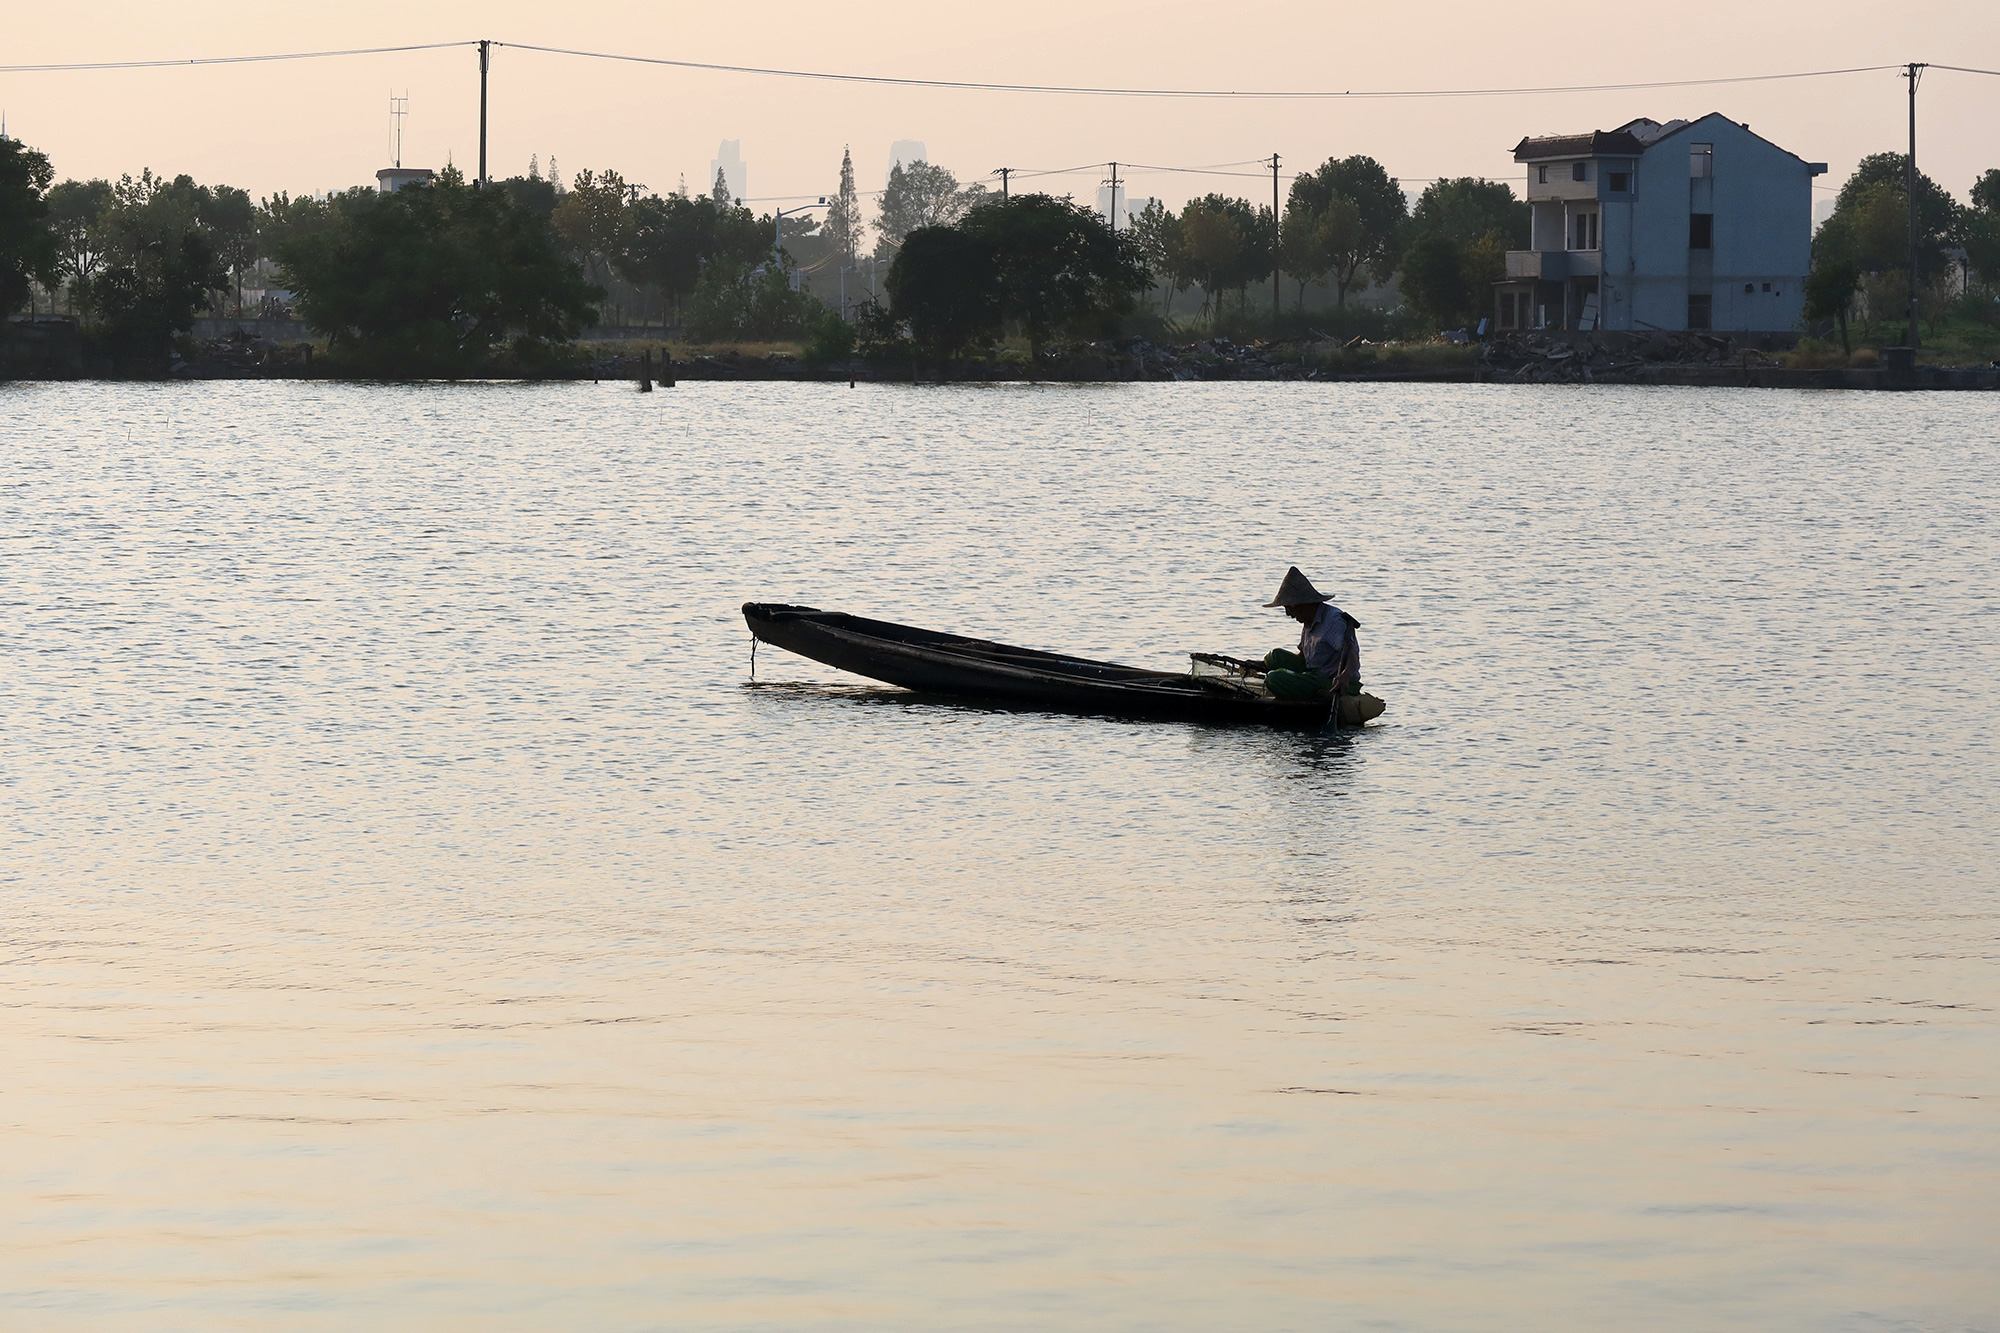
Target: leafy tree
591,218
1980,228
1213,245
1937,211
1379,202
733,301
945,285
1467,209
1059,267
530,193
135,306
156,265
719,192
1251,258
920,195
1871,230
670,241
1310,242
149,209
843,215
76,212
1477,221
1433,278
282,218
230,220
434,278
1157,233
28,249
1829,292
1986,190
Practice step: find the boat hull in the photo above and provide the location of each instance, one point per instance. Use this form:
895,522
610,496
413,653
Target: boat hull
936,663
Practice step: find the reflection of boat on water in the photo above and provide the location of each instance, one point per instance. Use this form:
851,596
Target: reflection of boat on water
938,663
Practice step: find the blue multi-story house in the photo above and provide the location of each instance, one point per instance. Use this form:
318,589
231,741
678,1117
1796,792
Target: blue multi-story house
1687,225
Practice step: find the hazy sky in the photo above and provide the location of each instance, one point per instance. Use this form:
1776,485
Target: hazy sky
314,125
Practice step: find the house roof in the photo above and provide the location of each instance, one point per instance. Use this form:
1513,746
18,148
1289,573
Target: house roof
1596,143
1628,140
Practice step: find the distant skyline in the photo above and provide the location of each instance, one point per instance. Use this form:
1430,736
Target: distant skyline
728,166
902,153
318,125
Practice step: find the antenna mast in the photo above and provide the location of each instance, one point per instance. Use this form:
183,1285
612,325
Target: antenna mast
398,108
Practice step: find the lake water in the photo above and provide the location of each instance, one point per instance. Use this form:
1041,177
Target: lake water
415,918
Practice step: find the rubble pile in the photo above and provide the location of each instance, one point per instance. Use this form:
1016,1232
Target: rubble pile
238,355
1210,359
1629,358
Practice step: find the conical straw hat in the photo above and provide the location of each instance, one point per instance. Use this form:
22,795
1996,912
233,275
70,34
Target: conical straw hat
1296,590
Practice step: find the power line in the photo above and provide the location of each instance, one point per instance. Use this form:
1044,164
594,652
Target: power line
1065,89
229,60
978,86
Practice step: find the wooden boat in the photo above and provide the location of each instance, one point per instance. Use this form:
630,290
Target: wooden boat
998,673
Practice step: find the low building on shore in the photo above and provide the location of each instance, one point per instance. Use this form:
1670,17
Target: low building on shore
391,179
1684,225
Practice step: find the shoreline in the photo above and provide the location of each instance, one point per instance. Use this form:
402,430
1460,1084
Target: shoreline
1693,377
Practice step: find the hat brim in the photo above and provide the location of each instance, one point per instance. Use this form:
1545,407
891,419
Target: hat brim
1298,601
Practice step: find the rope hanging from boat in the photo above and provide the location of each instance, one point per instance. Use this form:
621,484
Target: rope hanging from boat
753,659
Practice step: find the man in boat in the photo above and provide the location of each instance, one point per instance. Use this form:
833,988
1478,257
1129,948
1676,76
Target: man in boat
1328,659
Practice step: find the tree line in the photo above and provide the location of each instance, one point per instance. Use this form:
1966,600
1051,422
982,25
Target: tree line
441,274
448,276
533,260
1861,254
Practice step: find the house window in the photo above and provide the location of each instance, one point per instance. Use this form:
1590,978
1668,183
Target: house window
1750,288
1541,175
1701,160
1767,286
1583,231
1701,231
1577,172
1701,312
1621,182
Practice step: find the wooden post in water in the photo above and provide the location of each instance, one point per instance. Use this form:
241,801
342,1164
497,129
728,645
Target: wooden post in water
645,370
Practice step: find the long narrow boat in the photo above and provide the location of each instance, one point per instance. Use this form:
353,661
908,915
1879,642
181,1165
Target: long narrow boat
998,673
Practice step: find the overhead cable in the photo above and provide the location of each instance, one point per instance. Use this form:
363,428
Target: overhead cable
229,60
1070,90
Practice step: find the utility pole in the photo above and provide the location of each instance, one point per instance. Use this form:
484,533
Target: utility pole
1914,73
1275,230
485,54
1005,172
1113,210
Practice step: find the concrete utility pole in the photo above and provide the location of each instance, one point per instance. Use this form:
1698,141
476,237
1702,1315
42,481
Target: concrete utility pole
1914,73
485,54
1005,172
1113,210
1275,229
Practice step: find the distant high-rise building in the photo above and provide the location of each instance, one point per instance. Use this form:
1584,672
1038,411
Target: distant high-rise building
1127,206
902,153
729,163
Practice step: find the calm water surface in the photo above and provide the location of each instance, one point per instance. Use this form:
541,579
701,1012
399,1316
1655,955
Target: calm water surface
415,918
